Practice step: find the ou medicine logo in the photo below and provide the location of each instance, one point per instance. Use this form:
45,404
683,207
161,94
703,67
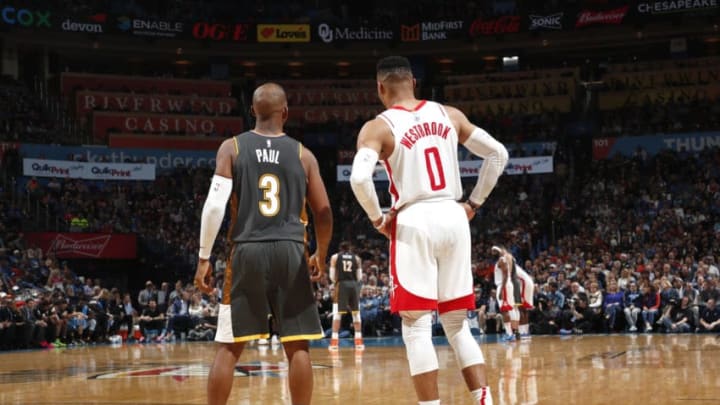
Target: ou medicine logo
24,17
325,33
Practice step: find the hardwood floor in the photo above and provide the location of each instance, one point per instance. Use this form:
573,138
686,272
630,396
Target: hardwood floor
623,369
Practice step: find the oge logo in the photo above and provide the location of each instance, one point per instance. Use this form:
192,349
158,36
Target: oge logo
221,32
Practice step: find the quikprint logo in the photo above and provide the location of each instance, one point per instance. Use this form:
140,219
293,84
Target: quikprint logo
550,22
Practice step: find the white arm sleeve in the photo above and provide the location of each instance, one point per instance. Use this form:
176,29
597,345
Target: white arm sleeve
495,157
361,181
213,213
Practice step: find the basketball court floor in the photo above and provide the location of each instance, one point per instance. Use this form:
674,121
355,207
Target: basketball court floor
590,369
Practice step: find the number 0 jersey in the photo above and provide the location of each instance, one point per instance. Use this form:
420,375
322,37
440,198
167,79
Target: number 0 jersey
424,163
269,186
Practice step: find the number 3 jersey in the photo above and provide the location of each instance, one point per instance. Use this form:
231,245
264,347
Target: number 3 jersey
424,163
269,186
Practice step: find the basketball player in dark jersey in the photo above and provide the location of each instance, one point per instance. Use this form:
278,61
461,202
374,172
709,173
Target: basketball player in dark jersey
270,177
346,273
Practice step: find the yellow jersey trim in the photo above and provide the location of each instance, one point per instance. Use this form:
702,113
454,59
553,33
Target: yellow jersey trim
301,337
248,338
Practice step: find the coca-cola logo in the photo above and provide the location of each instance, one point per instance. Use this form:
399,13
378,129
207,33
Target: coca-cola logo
502,25
609,17
89,247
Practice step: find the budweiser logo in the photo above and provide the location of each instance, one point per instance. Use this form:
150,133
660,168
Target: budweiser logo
88,247
601,17
502,25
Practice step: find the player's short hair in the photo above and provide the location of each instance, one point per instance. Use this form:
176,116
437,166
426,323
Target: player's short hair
394,68
345,246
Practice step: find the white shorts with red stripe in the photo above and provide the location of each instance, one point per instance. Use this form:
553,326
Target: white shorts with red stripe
527,288
430,264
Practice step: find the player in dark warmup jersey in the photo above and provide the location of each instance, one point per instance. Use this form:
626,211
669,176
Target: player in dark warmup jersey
346,273
270,177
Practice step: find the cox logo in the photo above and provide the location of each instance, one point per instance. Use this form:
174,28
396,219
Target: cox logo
25,17
325,33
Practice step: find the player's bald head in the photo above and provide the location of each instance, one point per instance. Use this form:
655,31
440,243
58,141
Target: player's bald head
269,99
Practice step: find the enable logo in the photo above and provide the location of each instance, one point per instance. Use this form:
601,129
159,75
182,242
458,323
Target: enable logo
24,17
124,23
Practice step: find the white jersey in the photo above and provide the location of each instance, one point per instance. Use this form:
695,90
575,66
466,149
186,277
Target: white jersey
424,163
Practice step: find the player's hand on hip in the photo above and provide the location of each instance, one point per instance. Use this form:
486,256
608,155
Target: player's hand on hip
316,267
469,211
201,276
385,223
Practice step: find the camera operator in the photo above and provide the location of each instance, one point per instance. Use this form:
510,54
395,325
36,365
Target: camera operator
578,319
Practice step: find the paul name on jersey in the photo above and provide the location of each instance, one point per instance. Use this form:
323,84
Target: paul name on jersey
416,132
268,156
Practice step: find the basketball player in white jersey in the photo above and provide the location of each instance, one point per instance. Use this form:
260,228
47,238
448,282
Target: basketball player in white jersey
515,289
428,229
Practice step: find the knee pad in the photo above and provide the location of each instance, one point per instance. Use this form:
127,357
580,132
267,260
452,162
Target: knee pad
514,314
417,336
356,316
457,330
336,315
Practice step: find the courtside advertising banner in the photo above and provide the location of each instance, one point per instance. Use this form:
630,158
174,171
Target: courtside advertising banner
88,170
162,159
85,245
606,148
470,168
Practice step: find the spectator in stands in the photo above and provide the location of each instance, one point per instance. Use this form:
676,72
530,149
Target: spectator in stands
163,295
710,317
613,303
650,306
147,294
179,321
680,318
633,302
151,321
369,307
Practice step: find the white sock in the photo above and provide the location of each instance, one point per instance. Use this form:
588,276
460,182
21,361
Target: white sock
524,329
508,328
358,335
483,396
335,335
435,402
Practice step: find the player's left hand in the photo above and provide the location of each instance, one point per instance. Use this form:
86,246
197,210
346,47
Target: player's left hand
386,222
201,276
469,211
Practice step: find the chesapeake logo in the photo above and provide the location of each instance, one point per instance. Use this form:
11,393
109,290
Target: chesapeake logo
94,26
680,6
181,373
329,34
25,17
550,22
283,33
